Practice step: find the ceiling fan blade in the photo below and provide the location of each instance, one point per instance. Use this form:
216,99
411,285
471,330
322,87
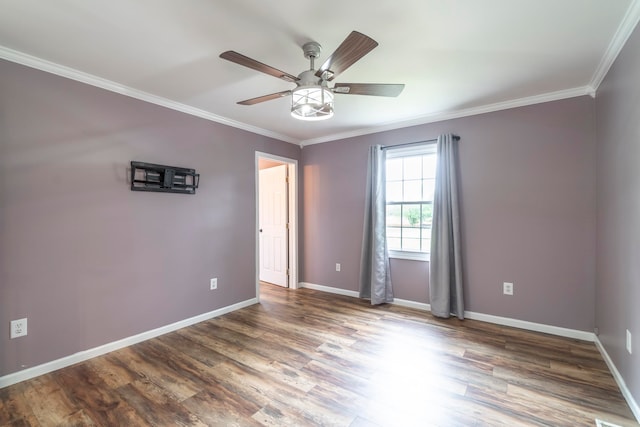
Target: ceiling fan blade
240,59
373,89
354,47
263,98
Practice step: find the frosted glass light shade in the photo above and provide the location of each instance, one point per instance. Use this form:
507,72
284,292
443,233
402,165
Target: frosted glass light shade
312,103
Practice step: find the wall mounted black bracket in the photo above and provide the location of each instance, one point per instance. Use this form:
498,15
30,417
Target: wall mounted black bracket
163,179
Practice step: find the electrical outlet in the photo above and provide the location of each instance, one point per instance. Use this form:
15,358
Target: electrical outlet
507,288
338,267
213,284
629,341
18,328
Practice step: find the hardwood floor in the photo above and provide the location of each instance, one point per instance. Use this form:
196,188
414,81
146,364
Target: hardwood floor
309,358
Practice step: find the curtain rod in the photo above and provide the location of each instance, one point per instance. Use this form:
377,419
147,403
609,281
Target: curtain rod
384,147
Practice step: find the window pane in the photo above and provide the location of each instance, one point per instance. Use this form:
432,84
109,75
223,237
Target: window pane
394,231
429,166
411,245
411,215
412,167
428,186
426,245
427,217
394,215
393,243
409,232
394,191
394,169
412,191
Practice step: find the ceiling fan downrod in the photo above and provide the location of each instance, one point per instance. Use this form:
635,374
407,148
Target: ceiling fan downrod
311,51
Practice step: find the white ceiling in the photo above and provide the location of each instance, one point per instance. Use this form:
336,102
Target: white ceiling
456,57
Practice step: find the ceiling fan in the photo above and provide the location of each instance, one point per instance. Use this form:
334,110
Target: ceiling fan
312,99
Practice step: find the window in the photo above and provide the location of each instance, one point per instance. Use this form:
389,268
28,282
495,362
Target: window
410,174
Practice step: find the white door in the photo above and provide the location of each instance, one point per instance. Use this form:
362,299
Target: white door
273,225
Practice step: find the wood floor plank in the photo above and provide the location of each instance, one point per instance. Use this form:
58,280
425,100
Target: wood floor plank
220,406
259,387
563,390
156,405
308,358
14,409
219,348
111,370
276,417
338,376
192,349
49,404
99,402
573,414
521,411
180,387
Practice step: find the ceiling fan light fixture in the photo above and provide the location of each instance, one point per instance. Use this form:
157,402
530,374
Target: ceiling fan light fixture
312,103
312,99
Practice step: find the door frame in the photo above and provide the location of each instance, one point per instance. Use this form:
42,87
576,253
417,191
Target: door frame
292,196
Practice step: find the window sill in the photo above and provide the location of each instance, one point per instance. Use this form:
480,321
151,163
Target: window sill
413,256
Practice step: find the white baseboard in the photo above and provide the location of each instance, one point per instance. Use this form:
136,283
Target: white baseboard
81,356
621,383
504,321
532,326
412,304
355,294
329,289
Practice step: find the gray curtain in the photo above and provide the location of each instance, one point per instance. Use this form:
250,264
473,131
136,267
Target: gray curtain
375,276
445,265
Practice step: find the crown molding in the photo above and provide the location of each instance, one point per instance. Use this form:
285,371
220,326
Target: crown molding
456,114
73,74
626,27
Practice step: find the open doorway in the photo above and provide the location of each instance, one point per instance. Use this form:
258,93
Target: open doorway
276,221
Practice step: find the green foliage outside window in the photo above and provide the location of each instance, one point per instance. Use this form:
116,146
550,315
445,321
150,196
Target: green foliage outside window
412,213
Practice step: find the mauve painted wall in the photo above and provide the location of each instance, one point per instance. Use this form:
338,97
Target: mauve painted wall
618,213
84,258
528,194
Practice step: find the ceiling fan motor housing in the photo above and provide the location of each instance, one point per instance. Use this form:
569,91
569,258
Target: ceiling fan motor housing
311,51
308,78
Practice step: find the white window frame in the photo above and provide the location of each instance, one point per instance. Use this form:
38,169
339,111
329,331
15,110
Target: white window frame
408,151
